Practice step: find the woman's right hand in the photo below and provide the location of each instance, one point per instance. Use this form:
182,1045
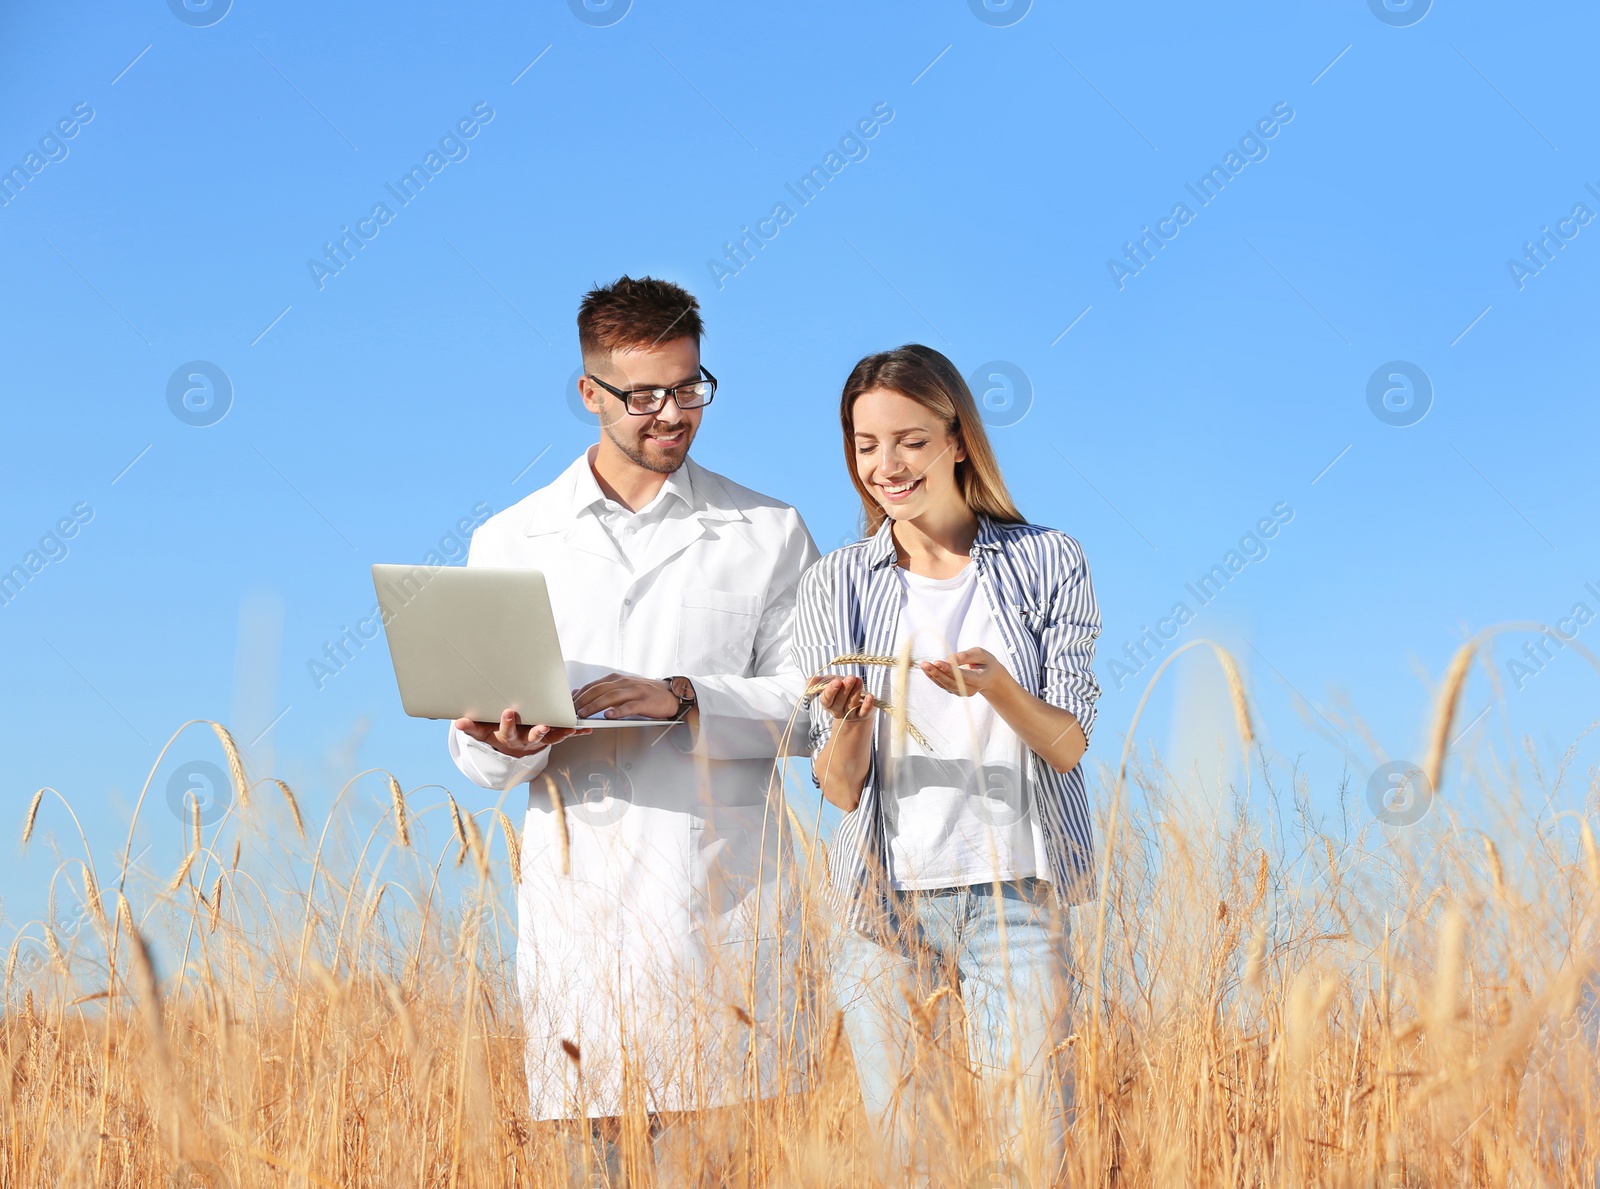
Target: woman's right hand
847,699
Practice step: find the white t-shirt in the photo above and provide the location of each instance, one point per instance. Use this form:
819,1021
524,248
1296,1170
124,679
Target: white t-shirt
958,812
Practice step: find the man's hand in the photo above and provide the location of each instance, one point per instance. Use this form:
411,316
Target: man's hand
617,696
509,737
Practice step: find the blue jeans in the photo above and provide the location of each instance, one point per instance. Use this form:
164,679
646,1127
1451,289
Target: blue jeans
1007,956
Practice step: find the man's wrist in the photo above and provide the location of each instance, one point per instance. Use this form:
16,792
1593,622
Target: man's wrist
682,689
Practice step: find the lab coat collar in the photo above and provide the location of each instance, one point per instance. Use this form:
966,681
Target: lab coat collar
568,504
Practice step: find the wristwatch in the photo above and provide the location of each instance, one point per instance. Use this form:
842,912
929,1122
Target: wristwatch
682,689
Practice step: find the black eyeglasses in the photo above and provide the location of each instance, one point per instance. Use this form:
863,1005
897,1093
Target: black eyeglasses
642,402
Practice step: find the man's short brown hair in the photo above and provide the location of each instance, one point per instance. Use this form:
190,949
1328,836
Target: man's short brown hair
629,313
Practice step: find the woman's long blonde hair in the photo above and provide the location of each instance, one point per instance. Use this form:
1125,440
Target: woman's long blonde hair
927,377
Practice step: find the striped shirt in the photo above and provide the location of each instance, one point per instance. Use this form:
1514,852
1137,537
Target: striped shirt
1038,587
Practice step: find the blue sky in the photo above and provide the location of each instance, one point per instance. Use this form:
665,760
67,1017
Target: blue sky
1162,399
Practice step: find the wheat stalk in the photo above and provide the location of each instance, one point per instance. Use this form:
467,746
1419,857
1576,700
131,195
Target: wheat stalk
1241,705
460,830
33,816
480,853
1455,679
513,847
294,809
91,895
398,800
215,907
144,975
559,811
183,871
235,764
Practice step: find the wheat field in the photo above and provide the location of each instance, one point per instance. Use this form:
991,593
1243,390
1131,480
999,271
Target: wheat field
1267,997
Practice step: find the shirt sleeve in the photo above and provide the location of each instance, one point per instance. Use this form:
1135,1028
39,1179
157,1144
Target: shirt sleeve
490,769
816,641
1066,645
757,714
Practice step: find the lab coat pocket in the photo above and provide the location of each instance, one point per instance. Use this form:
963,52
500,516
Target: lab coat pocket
717,631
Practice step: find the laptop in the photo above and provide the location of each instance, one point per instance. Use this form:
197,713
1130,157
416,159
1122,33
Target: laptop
471,643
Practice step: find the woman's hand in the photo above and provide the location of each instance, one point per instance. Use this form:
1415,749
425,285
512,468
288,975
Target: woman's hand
847,699
981,672
841,766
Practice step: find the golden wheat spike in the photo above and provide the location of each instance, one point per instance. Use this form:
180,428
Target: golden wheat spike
1444,716
480,853
33,816
1591,858
1262,873
183,871
1241,705
235,765
294,809
144,977
397,798
216,905
234,866
194,825
1497,871
455,820
559,811
91,895
513,847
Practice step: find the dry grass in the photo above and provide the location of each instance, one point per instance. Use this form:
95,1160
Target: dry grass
1267,999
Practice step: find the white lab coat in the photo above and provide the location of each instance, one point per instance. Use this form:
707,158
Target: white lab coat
676,924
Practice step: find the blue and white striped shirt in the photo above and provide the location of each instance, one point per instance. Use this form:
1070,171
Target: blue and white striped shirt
1038,587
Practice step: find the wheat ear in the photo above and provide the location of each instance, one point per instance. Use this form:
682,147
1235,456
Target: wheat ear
398,799
1455,679
560,812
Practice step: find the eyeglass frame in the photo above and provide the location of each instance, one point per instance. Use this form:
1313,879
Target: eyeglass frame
668,393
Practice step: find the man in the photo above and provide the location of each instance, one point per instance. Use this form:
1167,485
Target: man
651,925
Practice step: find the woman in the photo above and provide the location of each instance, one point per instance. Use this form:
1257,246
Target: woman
966,832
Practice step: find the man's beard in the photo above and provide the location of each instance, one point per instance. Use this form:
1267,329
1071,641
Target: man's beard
659,463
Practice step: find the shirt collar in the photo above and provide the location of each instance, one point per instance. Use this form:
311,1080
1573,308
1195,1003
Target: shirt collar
587,494
880,546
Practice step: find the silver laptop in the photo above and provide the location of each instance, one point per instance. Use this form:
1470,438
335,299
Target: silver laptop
471,643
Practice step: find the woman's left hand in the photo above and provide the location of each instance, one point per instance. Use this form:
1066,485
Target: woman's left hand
981,672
